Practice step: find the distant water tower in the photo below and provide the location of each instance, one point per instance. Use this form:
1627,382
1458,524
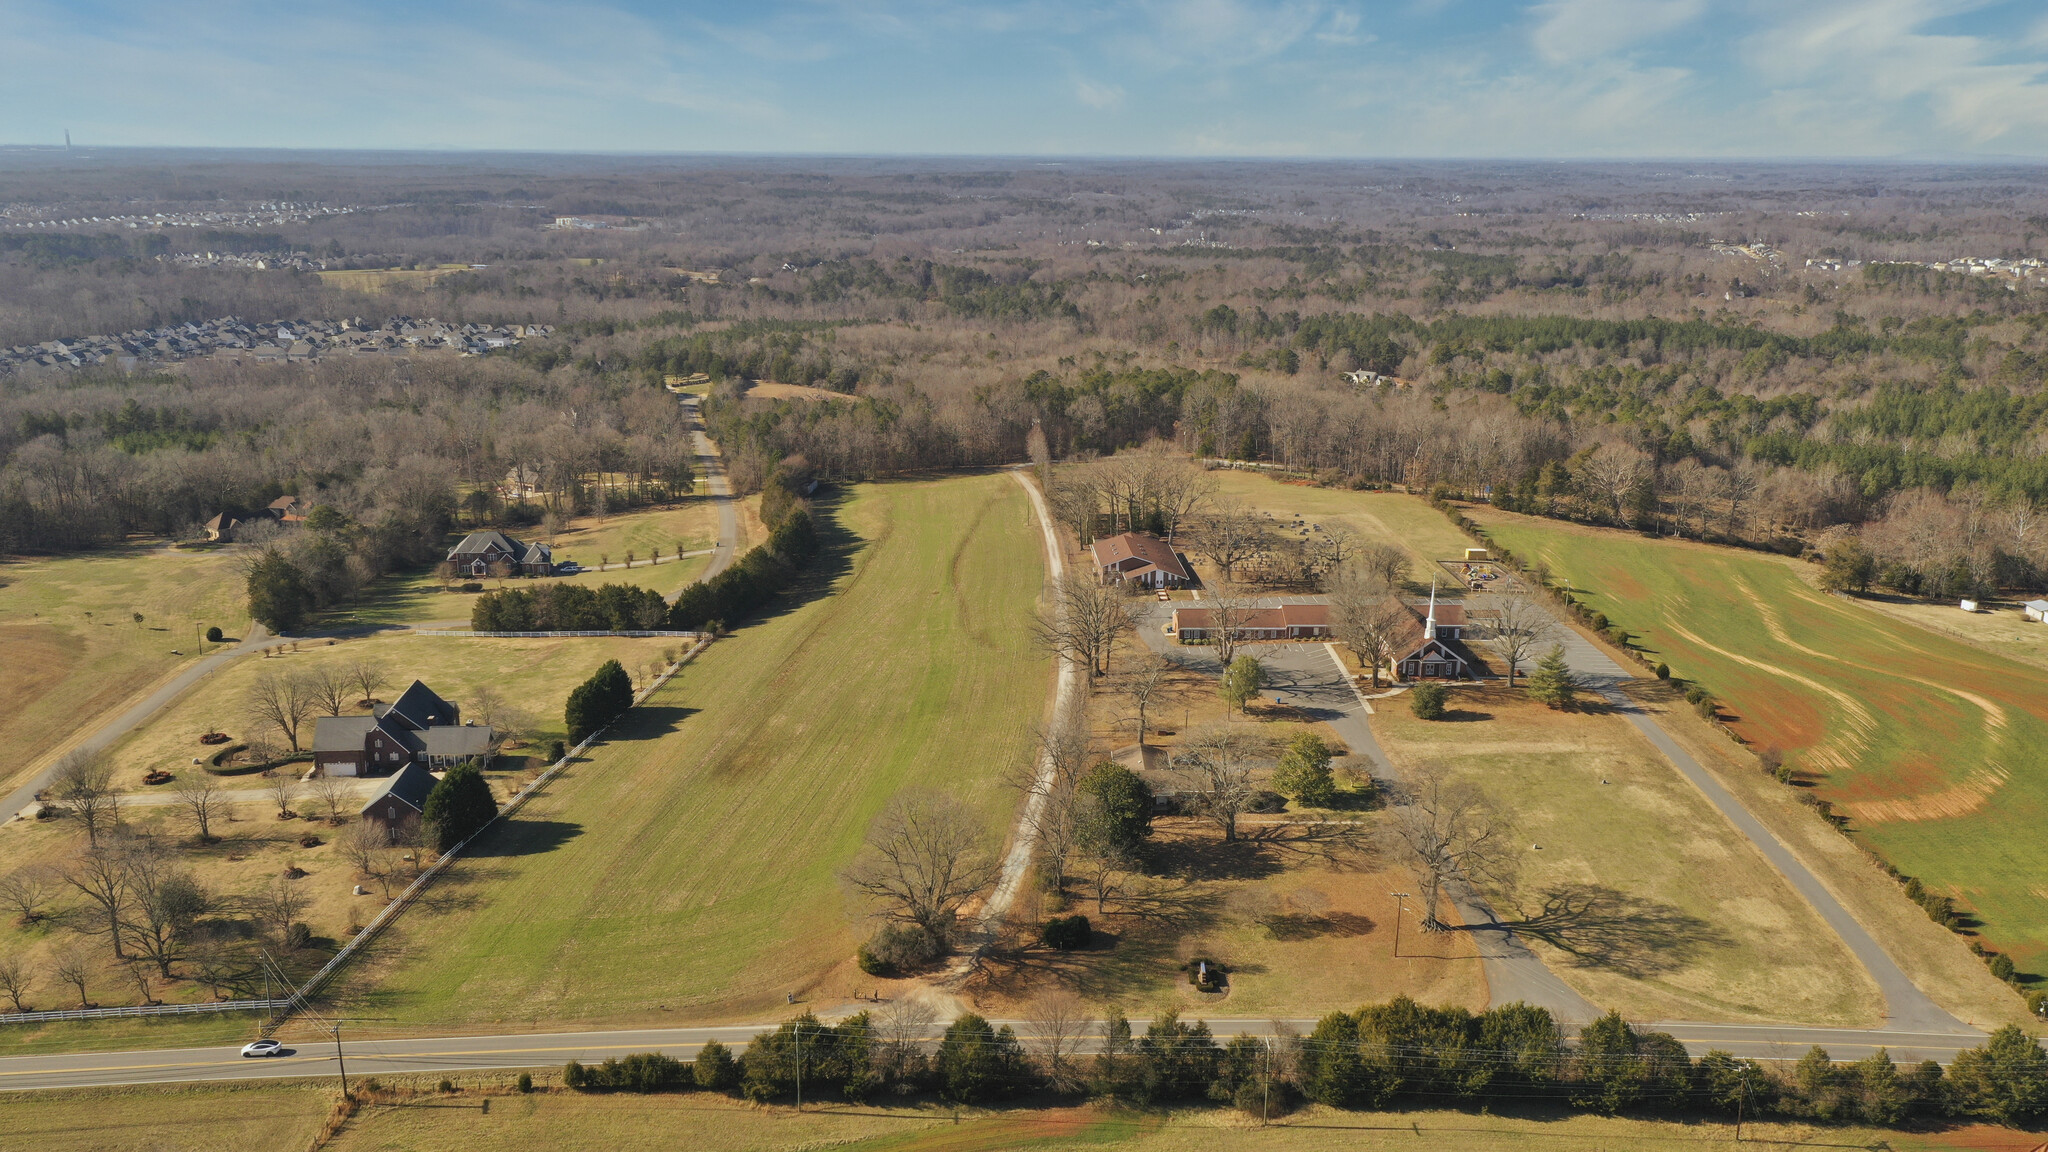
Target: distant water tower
67,139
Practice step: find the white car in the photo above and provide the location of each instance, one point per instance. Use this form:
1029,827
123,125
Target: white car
263,1048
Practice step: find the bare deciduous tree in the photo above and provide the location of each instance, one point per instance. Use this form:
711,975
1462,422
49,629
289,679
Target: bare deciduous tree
15,980
101,875
1448,832
283,702
70,966
1384,562
167,902
485,705
1521,626
330,793
1218,762
282,787
1229,533
1229,612
281,902
1366,617
84,784
202,802
1324,556
904,1025
1057,1024
360,845
28,891
328,688
926,855
1052,788
366,676
1145,686
1613,471
1084,622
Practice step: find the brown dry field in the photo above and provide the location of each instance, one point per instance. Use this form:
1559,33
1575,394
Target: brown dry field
1701,928
769,390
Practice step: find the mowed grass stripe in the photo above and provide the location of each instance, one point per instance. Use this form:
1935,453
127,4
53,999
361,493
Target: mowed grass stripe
1938,749
692,862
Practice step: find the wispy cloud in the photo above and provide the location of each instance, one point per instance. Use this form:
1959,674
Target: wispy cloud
1410,77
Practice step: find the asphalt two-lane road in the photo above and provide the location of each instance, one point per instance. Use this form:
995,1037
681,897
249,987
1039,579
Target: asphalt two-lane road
312,1054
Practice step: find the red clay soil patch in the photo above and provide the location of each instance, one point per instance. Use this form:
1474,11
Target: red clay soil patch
1970,1138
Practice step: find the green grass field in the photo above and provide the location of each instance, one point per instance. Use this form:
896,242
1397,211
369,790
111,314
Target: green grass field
1934,747
691,861
74,652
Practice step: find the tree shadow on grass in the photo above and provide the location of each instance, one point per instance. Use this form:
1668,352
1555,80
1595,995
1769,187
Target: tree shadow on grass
837,547
1604,928
518,837
1296,926
1206,859
648,722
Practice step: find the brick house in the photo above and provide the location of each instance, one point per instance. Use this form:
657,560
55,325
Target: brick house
1134,556
480,551
418,728
1284,622
398,807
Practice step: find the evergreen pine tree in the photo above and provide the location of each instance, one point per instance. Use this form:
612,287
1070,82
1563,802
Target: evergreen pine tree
1553,682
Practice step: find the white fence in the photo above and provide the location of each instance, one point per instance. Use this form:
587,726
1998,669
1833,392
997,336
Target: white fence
143,1010
548,635
390,911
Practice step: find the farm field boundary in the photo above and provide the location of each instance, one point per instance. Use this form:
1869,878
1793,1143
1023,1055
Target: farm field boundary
1936,752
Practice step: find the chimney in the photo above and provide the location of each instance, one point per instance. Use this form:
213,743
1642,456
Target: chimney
1429,629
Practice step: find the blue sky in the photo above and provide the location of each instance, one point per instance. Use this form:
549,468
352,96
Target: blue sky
1478,78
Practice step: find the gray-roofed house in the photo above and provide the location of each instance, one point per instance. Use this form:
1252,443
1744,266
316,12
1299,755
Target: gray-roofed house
480,551
398,807
417,728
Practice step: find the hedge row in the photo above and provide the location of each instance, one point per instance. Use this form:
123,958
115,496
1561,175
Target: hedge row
759,577
1395,1054
569,608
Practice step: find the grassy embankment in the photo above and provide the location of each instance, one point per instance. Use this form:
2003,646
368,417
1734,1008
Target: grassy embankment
1931,746
74,653
688,869
199,1119
486,1116
1701,927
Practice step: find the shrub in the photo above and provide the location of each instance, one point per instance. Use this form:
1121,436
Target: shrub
1783,773
1663,671
896,948
214,635
2002,967
715,1070
1304,772
1708,710
446,1085
556,751
473,586
298,935
572,1075
1694,694
639,1072
1119,814
1599,621
977,1062
1426,700
525,1082
1067,933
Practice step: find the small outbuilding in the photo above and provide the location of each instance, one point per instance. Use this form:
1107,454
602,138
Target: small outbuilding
2035,610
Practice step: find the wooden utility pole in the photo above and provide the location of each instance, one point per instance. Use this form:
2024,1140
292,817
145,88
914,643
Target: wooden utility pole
1400,906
